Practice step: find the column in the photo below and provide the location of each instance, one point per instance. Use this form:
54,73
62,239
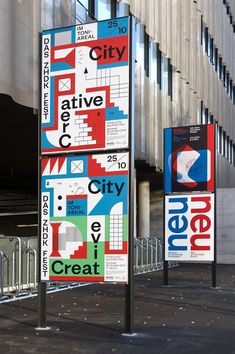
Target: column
143,209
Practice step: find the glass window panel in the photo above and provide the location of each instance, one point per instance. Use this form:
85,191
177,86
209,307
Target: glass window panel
233,154
82,14
140,45
231,89
164,75
103,9
153,61
84,3
122,9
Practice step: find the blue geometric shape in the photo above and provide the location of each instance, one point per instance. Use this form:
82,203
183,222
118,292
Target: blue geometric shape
108,200
60,66
45,142
168,160
113,113
76,207
199,170
113,28
110,65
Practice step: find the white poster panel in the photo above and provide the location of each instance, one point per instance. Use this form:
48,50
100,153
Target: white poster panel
84,218
189,227
85,87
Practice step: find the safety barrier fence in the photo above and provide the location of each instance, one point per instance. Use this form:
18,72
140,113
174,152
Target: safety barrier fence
18,265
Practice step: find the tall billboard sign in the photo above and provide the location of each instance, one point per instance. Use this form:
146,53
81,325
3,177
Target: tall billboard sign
85,87
189,187
85,152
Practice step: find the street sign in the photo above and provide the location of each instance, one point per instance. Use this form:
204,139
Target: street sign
84,218
189,162
85,87
189,227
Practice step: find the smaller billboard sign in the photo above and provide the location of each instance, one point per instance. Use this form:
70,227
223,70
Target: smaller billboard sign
189,227
84,218
189,159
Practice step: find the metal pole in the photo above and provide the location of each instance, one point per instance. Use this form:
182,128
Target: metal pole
165,263
129,287
42,322
214,263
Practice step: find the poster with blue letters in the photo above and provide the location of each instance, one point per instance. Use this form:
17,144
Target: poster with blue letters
189,227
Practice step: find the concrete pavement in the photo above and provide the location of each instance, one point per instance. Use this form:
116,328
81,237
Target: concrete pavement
186,317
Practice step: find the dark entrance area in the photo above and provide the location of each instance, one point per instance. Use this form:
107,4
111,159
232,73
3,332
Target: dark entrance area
18,172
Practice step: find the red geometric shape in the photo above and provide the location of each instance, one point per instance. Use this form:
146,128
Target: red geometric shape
95,169
96,121
69,58
61,161
52,163
80,253
80,196
211,148
44,164
71,91
122,251
55,239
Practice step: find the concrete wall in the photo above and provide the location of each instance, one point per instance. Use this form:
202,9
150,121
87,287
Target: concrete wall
226,225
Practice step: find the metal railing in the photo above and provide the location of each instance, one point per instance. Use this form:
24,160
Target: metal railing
148,255
18,264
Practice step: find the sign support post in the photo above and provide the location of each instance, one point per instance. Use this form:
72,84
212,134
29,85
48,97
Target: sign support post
214,263
42,315
129,287
165,263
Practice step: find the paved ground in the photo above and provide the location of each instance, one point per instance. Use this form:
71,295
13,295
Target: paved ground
186,317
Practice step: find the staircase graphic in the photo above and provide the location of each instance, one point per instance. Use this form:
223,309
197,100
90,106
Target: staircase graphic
113,113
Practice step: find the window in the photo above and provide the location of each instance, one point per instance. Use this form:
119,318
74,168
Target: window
159,58
227,82
234,155
206,115
217,135
220,68
82,11
227,148
224,75
203,121
231,89
103,9
146,52
206,40
211,49
216,58
210,119
230,151
139,44
122,9
85,3
220,140
164,74
153,61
